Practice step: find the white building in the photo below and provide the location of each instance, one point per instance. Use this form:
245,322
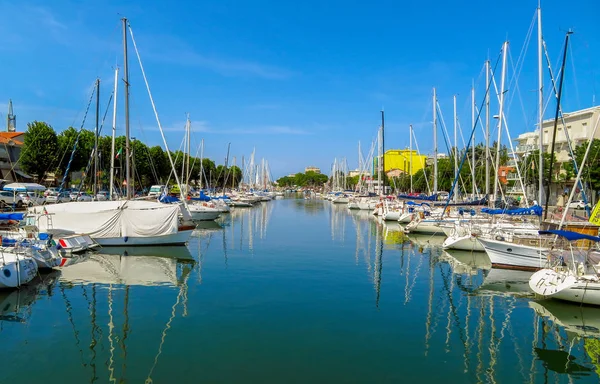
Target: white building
579,127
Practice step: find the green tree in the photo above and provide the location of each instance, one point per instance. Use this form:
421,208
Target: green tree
39,149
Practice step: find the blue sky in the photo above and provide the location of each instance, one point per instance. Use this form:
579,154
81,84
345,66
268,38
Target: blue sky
301,82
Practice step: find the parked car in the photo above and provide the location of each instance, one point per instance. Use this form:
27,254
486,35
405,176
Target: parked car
102,196
578,204
56,197
8,198
82,196
32,198
50,190
73,194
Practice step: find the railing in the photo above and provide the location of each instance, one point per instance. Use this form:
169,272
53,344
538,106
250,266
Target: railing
514,189
512,176
526,148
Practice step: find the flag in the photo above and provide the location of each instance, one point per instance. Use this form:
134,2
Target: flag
595,216
119,153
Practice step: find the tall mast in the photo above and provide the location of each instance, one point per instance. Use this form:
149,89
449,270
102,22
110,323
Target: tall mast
410,168
383,150
114,132
95,188
540,108
455,147
126,81
473,140
187,164
201,164
500,115
487,128
225,169
560,88
435,154
379,161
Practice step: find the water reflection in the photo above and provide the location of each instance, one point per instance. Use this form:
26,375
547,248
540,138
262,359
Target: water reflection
16,305
482,313
144,266
296,283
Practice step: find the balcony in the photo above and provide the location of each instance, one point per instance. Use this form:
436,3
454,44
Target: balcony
524,148
512,176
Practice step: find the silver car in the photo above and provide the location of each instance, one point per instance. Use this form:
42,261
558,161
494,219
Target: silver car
55,197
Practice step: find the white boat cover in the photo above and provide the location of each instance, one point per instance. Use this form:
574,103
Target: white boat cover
109,219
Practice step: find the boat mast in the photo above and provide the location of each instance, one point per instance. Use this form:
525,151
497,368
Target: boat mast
540,108
186,159
201,164
114,132
435,154
455,148
500,115
473,139
95,188
225,169
126,81
560,88
383,149
487,128
410,168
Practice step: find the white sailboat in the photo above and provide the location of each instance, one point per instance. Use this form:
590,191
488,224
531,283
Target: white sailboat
123,222
575,276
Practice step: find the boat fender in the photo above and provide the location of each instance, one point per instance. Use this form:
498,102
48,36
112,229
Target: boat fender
125,238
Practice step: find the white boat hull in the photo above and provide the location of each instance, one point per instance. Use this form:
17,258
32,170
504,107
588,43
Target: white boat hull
391,216
463,243
405,218
427,227
178,238
340,200
16,270
565,286
204,215
508,255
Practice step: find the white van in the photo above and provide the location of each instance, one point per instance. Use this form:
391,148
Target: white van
156,190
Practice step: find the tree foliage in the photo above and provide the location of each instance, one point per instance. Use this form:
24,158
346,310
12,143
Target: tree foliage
39,149
308,179
45,151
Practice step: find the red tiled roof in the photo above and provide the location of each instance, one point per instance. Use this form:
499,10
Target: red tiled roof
10,135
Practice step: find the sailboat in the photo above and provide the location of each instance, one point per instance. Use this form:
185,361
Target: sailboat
123,222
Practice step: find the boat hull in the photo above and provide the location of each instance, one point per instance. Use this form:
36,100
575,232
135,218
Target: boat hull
565,286
463,243
178,238
16,270
391,216
514,256
426,227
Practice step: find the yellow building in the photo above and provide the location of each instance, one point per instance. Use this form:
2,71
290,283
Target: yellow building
399,159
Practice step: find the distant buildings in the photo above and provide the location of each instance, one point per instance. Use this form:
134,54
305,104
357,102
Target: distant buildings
357,172
398,161
579,127
312,169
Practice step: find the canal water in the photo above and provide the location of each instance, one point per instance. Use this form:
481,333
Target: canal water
293,291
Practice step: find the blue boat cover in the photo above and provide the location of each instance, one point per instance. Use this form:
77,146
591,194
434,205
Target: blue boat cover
569,235
533,210
202,197
11,216
422,197
168,199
